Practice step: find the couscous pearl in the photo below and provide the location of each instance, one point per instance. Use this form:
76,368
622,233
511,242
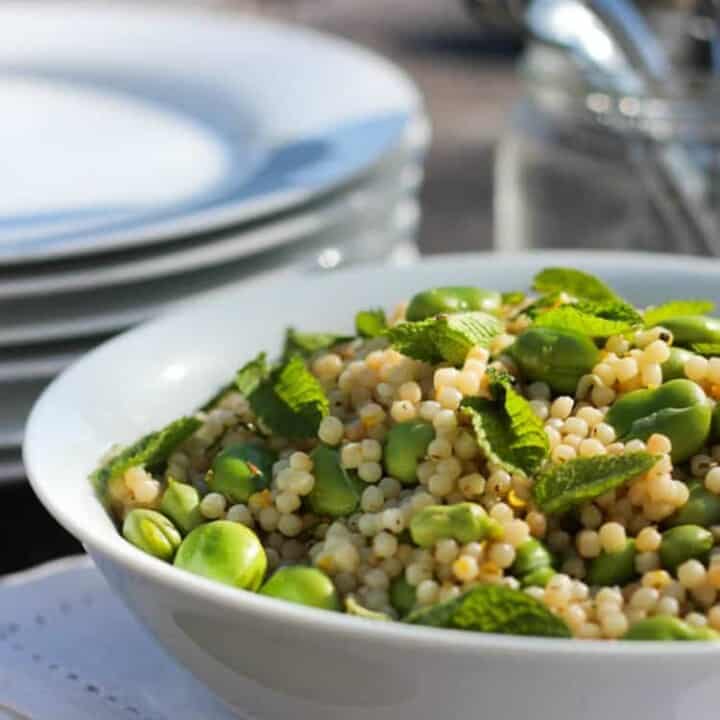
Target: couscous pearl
691,574
370,472
592,416
648,540
445,377
301,461
439,449
391,488
403,411
465,568
606,374
268,518
427,592
604,433
446,551
590,447
713,371
472,485
449,397
465,446
385,545
591,517
290,525
368,524
713,616
331,430
575,426
700,465
410,392
351,455
287,502
612,537
696,619
415,573
713,575
501,512
371,450
538,391
441,485
445,420
645,598
563,453
562,407
241,514
635,446
614,625
499,482
537,523
696,368
712,480
658,444
602,395
468,382
212,506
429,409
588,544
502,554
372,499
651,375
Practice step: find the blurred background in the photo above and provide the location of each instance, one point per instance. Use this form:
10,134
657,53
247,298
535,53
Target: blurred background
554,123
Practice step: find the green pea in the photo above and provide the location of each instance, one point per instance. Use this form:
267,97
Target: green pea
674,367
241,470
689,329
557,357
684,542
715,426
666,627
405,446
702,508
452,299
530,556
464,522
303,586
679,409
617,568
403,595
336,492
224,551
538,578
152,532
181,503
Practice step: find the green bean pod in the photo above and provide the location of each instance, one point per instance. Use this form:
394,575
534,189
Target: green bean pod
465,522
666,627
241,470
533,563
403,595
452,299
557,357
336,492
181,503
303,586
152,532
225,551
690,329
538,578
678,409
405,446
616,568
684,542
674,367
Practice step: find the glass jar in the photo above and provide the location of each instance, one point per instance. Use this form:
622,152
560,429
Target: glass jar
585,165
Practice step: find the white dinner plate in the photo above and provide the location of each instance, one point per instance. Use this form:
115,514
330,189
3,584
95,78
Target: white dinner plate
328,242
129,125
365,201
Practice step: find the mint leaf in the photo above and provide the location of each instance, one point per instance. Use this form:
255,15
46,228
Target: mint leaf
541,305
370,323
493,609
613,310
444,337
569,317
507,429
150,451
574,282
290,402
561,487
306,344
352,607
707,349
514,297
676,308
250,375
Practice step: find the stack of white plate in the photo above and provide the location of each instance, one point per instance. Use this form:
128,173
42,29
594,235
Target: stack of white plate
150,156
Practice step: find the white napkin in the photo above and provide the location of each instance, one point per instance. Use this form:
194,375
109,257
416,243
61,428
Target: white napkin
69,650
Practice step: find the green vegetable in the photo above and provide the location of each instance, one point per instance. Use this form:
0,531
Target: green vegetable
532,555
706,349
702,508
674,367
493,609
665,627
444,337
610,310
152,532
181,503
336,492
560,487
403,595
617,568
571,318
715,424
290,401
241,470
465,522
224,551
574,282
514,297
677,308
507,429
690,329
370,323
448,300
250,375
678,409
554,356
150,451
303,586
352,607
306,344
684,542
405,446
538,578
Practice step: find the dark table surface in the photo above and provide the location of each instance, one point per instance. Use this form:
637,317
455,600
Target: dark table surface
468,81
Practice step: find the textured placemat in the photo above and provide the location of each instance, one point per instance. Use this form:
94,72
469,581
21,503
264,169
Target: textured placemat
69,650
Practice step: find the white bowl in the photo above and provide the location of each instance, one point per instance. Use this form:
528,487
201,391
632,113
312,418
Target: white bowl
270,659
